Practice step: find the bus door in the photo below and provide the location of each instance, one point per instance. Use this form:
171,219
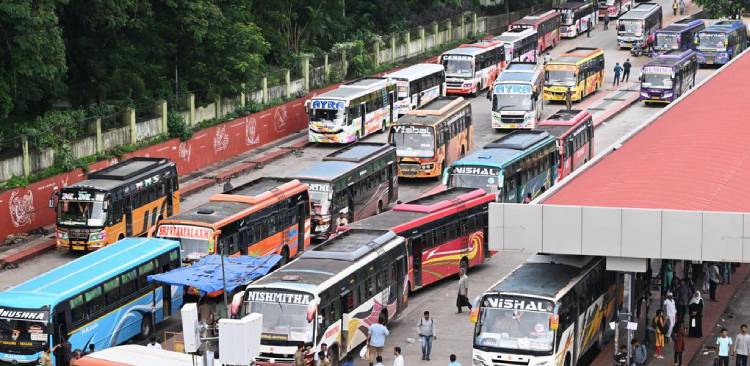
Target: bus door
363,115
401,264
301,218
391,98
129,216
416,250
60,332
166,289
170,197
391,174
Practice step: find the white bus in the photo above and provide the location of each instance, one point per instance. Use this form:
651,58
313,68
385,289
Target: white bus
351,111
575,18
472,67
417,85
515,96
548,311
331,294
520,44
614,8
635,26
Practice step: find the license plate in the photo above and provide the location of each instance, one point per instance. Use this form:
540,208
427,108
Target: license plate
710,61
655,97
79,247
510,125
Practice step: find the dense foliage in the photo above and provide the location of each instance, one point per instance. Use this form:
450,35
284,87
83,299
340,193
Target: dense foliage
80,53
724,8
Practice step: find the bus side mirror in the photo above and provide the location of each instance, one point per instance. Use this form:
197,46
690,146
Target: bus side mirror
105,205
445,178
53,199
307,107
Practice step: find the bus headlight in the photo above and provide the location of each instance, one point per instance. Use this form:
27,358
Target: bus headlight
467,84
101,235
62,235
428,166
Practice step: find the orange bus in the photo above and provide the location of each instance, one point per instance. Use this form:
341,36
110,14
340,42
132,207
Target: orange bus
429,138
261,217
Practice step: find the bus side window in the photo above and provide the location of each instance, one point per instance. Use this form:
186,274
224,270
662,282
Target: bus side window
144,270
128,282
174,259
94,300
111,294
77,309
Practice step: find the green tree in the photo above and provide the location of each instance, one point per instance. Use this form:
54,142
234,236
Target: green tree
724,8
32,53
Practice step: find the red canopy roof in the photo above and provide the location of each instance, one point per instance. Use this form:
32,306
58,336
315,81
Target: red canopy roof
695,156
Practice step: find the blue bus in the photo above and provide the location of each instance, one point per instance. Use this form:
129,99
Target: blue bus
668,76
103,298
520,164
678,35
720,42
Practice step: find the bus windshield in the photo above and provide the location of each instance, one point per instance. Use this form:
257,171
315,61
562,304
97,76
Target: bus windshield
630,28
667,41
561,76
417,142
283,322
81,213
487,182
512,329
321,202
325,114
512,102
711,41
458,66
568,17
22,333
194,240
657,80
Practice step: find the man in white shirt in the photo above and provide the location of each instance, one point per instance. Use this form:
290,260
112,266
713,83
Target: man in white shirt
742,346
398,360
670,309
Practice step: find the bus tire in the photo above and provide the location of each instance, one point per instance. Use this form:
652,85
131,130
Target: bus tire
464,264
383,317
284,256
379,209
120,237
147,327
600,343
383,127
567,359
463,151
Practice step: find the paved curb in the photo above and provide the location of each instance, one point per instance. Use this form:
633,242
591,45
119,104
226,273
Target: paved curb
609,114
12,260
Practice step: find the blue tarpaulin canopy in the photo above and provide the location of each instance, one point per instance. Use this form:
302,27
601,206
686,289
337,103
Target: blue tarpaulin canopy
205,274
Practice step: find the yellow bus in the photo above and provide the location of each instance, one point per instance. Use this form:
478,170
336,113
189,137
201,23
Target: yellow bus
125,199
580,69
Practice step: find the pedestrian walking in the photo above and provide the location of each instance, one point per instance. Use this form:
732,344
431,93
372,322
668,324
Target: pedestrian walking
547,58
618,71
92,349
376,340
621,358
666,284
695,308
742,346
640,353
714,279
299,355
427,333
626,70
568,104
682,299
682,7
317,359
453,360
725,343
398,359
588,28
679,343
660,327
606,20
462,299
670,309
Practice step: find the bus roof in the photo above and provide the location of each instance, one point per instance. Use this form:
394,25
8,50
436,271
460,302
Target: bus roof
434,111
572,5
325,170
252,195
414,72
545,276
562,122
536,18
403,215
724,26
123,173
315,266
359,152
354,89
576,55
132,354
506,149
682,25
641,11
515,77
517,66
670,58
514,34
59,284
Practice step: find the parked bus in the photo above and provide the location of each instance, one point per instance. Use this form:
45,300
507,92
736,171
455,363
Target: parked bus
101,299
552,320
678,35
472,67
635,26
429,138
417,85
575,18
261,217
125,199
517,165
331,294
720,42
668,76
614,8
352,111
350,184
444,231
574,131
547,25
580,69
520,45
515,96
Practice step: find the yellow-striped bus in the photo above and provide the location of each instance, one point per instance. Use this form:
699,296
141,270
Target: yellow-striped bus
581,70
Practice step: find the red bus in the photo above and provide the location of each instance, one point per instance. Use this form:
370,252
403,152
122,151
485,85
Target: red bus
547,25
614,8
444,232
574,130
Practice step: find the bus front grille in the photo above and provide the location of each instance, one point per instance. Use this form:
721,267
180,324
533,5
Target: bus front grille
454,84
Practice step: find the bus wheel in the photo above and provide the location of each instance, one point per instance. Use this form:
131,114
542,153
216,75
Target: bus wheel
383,127
600,338
567,359
380,208
146,327
463,151
464,265
383,317
120,237
284,256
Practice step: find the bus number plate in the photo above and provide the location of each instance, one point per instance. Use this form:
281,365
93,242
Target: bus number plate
79,247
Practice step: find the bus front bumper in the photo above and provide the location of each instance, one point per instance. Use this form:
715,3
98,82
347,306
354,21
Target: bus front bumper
462,90
557,93
81,241
718,58
325,137
568,31
416,169
648,97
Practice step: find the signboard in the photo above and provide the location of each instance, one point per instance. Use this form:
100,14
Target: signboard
457,57
512,89
81,196
327,104
657,70
184,232
37,315
415,130
518,304
476,170
279,297
319,187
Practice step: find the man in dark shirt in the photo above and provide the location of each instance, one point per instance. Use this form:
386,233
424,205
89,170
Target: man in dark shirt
626,70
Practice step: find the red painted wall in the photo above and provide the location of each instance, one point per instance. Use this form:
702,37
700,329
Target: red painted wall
24,209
